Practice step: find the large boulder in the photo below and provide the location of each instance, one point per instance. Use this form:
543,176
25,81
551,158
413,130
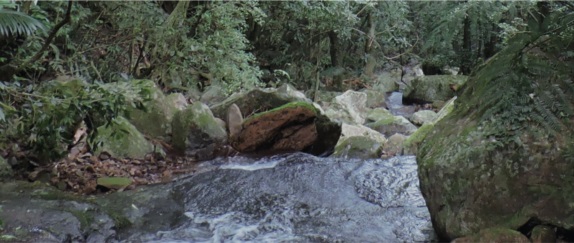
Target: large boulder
197,133
503,157
121,139
429,89
155,119
258,100
349,107
296,126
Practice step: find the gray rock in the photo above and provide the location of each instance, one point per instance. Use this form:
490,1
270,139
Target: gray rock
195,129
434,87
423,116
349,107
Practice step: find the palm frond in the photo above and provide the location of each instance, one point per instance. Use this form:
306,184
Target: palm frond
13,22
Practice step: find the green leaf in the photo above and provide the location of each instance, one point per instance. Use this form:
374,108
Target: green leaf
13,22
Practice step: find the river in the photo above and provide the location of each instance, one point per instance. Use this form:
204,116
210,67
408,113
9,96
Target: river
300,198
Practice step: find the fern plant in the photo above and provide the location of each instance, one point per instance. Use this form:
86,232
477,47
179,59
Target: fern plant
16,23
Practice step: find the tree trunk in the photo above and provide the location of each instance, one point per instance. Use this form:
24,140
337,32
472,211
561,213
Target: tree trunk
369,48
465,62
334,49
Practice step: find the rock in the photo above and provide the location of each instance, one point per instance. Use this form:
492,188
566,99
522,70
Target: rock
494,235
501,158
389,125
387,81
358,141
358,147
258,100
394,145
349,107
5,169
375,99
543,233
114,182
423,116
234,120
155,120
348,131
36,212
428,89
291,127
412,143
123,140
213,95
195,129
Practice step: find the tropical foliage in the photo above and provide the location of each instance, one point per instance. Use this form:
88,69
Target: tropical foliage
186,46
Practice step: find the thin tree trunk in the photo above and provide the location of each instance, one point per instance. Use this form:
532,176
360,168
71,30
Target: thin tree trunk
369,49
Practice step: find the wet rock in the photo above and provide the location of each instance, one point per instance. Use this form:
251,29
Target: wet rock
292,127
195,129
423,116
494,235
258,100
434,87
543,233
123,140
349,107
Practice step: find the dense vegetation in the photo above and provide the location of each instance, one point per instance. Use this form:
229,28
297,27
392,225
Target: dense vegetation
187,46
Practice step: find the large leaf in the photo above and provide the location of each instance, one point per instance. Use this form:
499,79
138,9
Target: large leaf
13,22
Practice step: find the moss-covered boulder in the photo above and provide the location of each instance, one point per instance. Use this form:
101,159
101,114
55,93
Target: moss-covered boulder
258,100
296,126
358,141
155,120
504,155
383,121
121,139
434,87
195,129
358,147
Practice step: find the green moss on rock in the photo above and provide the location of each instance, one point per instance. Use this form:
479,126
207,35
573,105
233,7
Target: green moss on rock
123,140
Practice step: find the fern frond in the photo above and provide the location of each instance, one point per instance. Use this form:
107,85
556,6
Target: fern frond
16,23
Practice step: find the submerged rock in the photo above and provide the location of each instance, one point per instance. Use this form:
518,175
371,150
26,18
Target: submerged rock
494,235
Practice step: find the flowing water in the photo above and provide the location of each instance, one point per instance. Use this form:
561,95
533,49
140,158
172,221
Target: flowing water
301,198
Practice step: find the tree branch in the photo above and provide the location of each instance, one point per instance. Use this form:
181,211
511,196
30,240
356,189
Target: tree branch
55,30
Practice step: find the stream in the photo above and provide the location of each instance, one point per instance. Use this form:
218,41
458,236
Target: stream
300,198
